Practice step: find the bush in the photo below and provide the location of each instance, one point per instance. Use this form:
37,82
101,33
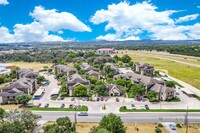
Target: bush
124,108
64,94
178,125
153,100
160,125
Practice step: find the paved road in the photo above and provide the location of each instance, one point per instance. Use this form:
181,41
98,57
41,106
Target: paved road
126,117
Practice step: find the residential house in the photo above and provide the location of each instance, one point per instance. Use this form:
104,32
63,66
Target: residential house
66,70
75,80
86,67
115,90
105,51
154,84
94,74
21,86
144,68
112,66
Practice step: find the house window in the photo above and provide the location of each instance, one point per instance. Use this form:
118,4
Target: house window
8,97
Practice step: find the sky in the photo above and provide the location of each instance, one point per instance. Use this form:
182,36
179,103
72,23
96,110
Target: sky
93,20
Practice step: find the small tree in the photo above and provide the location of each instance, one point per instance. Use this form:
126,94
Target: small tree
98,130
151,94
125,59
120,82
2,113
158,130
101,90
40,79
170,84
23,99
112,123
80,90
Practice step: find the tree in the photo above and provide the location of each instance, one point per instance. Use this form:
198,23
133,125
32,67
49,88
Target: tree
98,130
158,130
80,90
120,82
170,84
40,79
2,113
23,98
63,125
101,90
107,69
112,123
136,90
12,127
125,59
27,117
151,94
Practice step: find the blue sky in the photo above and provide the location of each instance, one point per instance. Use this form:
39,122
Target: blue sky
85,20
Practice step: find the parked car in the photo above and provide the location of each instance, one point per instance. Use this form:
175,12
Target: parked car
146,107
72,99
97,99
62,105
117,99
39,104
106,99
83,99
71,106
46,105
82,114
101,98
59,83
133,106
142,107
172,127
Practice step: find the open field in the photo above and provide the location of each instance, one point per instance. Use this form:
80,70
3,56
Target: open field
33,65
10,106
193,128
188,74
84,127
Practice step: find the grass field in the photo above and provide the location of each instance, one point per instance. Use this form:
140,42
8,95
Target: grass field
83,108
10,106
158,110
188,74
33,65
193,128
84,127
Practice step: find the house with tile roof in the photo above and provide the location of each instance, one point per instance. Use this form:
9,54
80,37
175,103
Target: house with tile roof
66,70
144,68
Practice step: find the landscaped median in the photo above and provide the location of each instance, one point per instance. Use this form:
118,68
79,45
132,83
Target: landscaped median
34,108
124,109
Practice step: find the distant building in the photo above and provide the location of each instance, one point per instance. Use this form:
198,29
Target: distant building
105,51
5,68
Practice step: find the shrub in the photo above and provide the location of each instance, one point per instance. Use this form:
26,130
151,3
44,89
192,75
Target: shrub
160,125
64,94
178,125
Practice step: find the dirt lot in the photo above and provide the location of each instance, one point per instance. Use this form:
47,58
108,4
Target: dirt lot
193,128
10,106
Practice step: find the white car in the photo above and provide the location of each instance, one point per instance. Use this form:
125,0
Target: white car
142,107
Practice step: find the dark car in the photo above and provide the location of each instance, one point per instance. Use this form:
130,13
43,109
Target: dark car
146,107
117,99
172,127
39,104
71,106
46,105
62,105
97,99
72,99
82,114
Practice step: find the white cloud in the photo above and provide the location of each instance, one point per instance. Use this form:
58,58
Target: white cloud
198,6
54,21
131,20
44,22
187,18
4,2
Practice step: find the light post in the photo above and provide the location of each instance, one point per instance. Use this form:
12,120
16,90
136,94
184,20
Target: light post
75,118
186,120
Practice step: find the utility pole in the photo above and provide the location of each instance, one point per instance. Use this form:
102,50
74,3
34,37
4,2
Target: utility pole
186,120
75,106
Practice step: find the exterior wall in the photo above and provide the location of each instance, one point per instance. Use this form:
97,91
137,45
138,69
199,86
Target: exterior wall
137,69
1,99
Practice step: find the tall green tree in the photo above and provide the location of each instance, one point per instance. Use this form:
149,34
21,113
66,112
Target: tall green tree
98,130
170,84
136,90
80,90
112,123
23,99
101,90
2,113
125,59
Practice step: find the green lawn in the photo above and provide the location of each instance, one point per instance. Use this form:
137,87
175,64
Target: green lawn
122,109
83,108
188,74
